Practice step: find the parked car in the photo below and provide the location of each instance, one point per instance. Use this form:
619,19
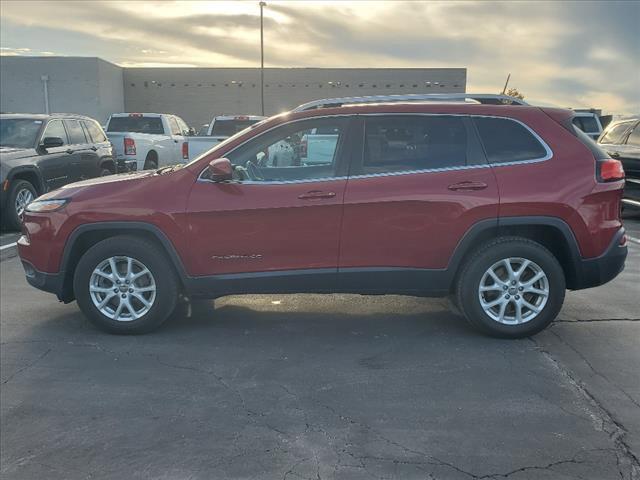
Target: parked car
621,140
502,207
146,141
589,123
219,129
39,153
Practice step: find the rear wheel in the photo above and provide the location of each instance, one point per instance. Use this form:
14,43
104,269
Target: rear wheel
21,193
125,285
151,162
512,287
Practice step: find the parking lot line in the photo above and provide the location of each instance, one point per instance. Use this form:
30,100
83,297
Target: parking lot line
4,247
633,239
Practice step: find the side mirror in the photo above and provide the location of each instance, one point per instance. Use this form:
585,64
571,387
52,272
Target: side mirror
220,170
52,142
191,132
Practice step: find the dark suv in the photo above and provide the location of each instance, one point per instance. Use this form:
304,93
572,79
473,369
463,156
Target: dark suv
502,207
39,153
621,140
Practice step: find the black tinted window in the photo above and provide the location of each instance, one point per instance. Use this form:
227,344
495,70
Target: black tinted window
76,134
95,131
586,124
226,128
136,124
56,129
508,141
401,143
634,138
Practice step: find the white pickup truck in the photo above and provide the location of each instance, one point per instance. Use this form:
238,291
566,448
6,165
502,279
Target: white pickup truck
220,128
148,140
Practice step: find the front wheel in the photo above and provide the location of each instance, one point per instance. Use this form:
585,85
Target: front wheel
125,285
21,194
511,288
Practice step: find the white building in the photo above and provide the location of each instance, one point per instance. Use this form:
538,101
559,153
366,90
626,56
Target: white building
97,88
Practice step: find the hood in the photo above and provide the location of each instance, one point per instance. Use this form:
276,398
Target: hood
94,186
122,177
8,154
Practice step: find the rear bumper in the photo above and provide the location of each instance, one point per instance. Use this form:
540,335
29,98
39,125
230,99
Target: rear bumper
597,271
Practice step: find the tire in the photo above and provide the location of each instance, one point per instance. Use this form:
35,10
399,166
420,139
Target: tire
19,191
506,324
151,162
160,289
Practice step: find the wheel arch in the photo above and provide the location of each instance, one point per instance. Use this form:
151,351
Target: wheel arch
85,236
551,232
30,174
108,163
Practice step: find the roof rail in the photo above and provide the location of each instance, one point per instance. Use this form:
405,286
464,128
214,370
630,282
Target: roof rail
485,98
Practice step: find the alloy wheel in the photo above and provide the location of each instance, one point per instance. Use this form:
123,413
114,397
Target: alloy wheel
23,198
122,288
513,291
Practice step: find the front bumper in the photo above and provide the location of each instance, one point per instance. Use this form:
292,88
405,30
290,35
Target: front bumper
593,272
48,282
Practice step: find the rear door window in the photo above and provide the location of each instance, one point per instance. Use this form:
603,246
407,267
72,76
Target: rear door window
507,141
76,134
399,143
95,131
634,137
136,124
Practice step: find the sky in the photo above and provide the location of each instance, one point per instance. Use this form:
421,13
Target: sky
566,53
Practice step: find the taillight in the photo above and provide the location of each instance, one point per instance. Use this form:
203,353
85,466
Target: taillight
129,146
185,150
610,170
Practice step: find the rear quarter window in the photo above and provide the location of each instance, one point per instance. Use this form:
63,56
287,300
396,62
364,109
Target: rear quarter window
508,141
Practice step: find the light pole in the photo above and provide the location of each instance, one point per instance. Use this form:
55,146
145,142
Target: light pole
262,5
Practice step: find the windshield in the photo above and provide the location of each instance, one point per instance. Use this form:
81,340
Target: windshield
19,132
136,124
226,128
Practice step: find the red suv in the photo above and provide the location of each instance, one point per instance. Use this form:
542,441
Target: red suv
503,207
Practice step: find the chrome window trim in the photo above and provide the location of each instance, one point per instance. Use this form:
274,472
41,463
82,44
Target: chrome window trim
547,156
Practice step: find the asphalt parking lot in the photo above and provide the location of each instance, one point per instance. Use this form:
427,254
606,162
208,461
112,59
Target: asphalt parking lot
316,387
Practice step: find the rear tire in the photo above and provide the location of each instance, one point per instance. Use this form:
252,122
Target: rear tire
511,287
151,162
132,301
21,192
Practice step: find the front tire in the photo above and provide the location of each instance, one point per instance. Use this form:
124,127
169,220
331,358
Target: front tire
21,193
125,285
511,287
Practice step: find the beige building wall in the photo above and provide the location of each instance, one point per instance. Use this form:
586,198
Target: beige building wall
196,94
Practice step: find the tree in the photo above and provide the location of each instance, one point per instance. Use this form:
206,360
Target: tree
513,92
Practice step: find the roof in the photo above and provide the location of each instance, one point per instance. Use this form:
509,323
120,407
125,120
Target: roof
45,116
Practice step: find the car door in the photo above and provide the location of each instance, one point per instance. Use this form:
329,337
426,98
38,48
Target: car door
83,157
100,145
177,139
282,221
53,162
422,181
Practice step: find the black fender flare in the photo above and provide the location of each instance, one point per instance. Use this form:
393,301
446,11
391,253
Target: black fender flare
31,169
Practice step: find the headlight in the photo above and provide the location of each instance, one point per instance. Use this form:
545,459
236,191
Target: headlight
44,206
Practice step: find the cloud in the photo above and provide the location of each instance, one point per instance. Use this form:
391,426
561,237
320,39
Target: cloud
560,52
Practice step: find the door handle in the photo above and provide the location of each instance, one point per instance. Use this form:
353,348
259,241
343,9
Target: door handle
69,151
95,149
467,186
614,155
316,194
